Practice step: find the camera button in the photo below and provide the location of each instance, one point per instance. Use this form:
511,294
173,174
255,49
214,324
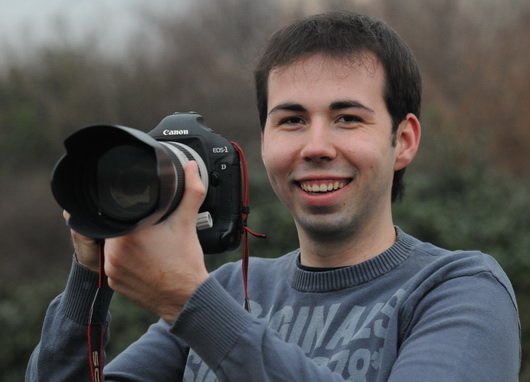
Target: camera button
215,179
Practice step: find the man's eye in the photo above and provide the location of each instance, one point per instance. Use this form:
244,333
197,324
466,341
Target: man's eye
349,119
292,121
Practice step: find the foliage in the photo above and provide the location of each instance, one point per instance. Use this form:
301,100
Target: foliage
21,316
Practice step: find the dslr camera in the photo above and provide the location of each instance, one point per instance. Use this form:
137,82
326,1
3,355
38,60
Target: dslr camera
114,179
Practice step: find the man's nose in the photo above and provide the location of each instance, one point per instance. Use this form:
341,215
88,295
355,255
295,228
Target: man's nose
318,143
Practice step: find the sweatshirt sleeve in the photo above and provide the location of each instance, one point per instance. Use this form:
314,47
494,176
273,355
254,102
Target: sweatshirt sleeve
239,347
62,353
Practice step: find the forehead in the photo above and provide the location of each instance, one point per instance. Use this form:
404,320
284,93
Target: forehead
357,74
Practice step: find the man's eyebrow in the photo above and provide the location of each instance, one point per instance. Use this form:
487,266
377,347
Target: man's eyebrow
339,105
288,107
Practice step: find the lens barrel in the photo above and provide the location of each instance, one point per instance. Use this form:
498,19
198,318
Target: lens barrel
114,179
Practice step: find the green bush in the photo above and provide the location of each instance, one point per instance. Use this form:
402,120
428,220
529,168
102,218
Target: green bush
22,313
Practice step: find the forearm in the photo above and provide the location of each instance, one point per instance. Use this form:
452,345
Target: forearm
62,353
237,346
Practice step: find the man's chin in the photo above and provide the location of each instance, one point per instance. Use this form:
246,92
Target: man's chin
327,229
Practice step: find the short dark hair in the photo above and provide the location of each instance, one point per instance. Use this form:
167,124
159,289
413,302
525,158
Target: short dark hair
347,36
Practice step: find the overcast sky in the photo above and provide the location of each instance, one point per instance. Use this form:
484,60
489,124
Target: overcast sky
24,23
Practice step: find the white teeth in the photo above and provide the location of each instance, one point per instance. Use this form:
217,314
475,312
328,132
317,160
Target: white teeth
323,187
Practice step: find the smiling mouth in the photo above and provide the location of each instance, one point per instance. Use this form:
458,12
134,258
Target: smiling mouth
323,186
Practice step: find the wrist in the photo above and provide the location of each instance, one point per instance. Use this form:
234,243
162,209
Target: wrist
79,293
87,267
171,313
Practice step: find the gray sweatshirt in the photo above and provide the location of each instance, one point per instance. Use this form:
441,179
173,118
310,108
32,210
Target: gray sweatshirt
414,313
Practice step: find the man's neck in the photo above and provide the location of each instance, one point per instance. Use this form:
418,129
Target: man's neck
356,248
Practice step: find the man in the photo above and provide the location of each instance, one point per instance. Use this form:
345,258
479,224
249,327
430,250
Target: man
338,97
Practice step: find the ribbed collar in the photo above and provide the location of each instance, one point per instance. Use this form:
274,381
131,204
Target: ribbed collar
326,281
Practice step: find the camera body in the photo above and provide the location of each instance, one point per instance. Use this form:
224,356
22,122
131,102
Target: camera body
114,179
223,198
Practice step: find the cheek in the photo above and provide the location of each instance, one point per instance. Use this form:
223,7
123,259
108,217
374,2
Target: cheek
274,169
272,159
373,160
275,155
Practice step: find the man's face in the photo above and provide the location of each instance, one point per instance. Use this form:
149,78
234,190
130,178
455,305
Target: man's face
327,145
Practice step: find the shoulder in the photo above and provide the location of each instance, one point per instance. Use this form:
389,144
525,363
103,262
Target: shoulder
456,263
465,271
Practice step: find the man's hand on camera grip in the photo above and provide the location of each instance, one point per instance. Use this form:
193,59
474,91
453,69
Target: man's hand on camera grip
160,266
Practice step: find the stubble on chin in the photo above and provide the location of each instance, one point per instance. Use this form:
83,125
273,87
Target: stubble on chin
327,230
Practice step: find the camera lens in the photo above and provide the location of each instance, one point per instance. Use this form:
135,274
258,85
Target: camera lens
113,179
127,183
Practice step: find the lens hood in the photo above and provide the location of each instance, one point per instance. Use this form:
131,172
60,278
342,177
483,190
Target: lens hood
76,180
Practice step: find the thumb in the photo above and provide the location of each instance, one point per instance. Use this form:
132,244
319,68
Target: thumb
194,193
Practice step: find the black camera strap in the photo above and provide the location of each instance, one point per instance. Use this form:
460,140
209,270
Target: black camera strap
96,323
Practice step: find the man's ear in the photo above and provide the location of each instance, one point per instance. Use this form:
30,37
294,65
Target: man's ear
407,141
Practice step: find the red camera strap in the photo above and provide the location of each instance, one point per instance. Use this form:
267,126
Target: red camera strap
96,323
246,210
